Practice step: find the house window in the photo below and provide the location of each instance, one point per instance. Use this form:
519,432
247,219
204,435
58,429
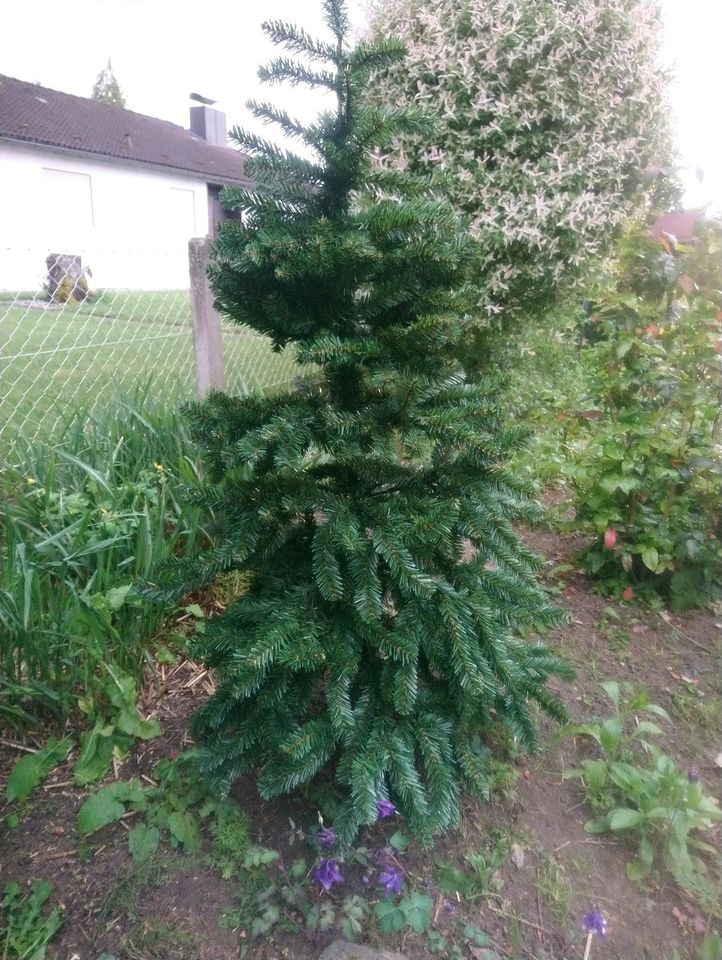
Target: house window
69,202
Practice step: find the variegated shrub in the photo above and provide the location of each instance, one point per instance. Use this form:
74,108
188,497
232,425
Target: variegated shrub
551,126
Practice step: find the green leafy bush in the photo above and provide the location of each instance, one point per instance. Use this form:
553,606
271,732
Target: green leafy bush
372,514
648,476
638,790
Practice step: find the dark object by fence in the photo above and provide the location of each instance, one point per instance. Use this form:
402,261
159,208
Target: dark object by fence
66,278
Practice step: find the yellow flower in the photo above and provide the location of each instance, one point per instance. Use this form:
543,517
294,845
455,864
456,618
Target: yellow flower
31,480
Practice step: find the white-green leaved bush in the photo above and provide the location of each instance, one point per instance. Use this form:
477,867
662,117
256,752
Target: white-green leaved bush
551,126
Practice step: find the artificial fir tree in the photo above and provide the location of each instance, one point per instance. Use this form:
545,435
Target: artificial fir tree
370,513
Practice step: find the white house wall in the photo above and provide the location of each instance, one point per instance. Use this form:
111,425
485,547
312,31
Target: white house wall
130,225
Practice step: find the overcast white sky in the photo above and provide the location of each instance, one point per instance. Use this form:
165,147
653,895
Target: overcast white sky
163,49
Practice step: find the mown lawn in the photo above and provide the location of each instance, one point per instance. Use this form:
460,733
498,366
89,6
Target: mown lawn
53,359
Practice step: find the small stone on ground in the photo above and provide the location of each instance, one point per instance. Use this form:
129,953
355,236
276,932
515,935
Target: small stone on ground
343,950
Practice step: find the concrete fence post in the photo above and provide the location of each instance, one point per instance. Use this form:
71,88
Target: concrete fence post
207,341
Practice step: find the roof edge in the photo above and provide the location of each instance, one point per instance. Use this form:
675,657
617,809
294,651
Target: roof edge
126,161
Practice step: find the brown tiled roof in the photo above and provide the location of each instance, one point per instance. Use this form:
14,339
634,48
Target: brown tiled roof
680,225
36,114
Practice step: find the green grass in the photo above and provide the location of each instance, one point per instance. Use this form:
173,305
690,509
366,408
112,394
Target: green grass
52,360
81,522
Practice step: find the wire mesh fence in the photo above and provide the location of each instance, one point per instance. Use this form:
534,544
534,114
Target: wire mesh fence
65,345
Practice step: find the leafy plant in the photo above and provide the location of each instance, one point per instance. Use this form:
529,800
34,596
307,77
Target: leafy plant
231,838
31,770
355,910
173,809
636,789
25,928
109,804
647,478
481,877
116,725
370,641
413,911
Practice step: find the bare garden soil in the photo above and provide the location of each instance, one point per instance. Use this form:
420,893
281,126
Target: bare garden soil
551,872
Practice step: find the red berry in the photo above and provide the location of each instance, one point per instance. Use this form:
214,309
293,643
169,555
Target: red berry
628,594
610,538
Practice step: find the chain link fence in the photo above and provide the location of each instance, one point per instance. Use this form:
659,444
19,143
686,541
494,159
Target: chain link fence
64,345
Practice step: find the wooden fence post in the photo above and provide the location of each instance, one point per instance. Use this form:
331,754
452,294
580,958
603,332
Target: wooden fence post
207,341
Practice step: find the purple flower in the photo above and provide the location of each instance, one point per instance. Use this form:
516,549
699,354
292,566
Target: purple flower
391,879
385,808
365,879
449,907
692,775
594,922
326,838
327,873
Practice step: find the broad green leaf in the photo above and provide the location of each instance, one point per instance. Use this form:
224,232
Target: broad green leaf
595,775
184,830
626,776
355,907
476,935
416,909
610,735
646,852
121,687
98,811
116,596
611,687
259,857
388,917
351,928
399,840
657,711
647,727
130,722
143,842
268,919
129,792
650,558
195,611
637,870
96,754
624,818
627,484
598,825
31,770
623,349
